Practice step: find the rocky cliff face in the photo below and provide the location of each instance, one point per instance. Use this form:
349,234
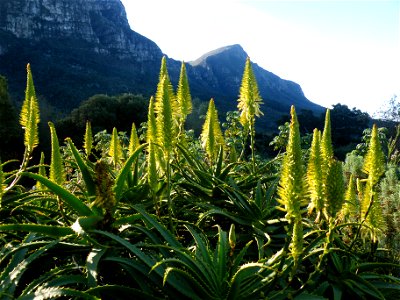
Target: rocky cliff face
78,48
100,23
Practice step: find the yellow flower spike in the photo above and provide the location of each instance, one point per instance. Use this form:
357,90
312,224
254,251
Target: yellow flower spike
211,135
291,189
315,178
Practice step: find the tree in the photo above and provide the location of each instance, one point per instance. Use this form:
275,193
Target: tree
390,111
104,112
347,124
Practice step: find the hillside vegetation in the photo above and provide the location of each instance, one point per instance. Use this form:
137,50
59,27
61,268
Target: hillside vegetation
161,214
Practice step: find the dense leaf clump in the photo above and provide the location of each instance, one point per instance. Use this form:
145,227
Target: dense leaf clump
160,214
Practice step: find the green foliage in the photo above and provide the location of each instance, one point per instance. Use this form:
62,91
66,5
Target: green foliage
104,113
280,140
347,127
391,110
390,195
362,148
353,164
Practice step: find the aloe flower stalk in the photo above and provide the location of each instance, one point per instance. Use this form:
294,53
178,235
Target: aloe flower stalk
164,86
249,104
88,139
374,161
350,210
211,135
57,173
335,190
166,131
152,175
315,178
374,166
183,97
41,171
105,197
134,142
326,141
115,151
151,134
29,118
291,189
249,99
166,126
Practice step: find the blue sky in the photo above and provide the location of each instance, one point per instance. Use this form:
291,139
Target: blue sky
339,51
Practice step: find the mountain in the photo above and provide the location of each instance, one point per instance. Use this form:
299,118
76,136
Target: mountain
220,72
78,48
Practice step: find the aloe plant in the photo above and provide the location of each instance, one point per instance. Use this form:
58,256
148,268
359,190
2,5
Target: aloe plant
192,222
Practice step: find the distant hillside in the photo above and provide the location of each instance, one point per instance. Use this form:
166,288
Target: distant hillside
78,48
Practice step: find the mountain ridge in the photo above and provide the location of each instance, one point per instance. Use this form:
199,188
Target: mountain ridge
78,48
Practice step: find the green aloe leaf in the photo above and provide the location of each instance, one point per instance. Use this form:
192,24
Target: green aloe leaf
179,285
48,276
74,202
47,230
123,292
92,263
87,177
57,292
10,282
120,181
166,234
